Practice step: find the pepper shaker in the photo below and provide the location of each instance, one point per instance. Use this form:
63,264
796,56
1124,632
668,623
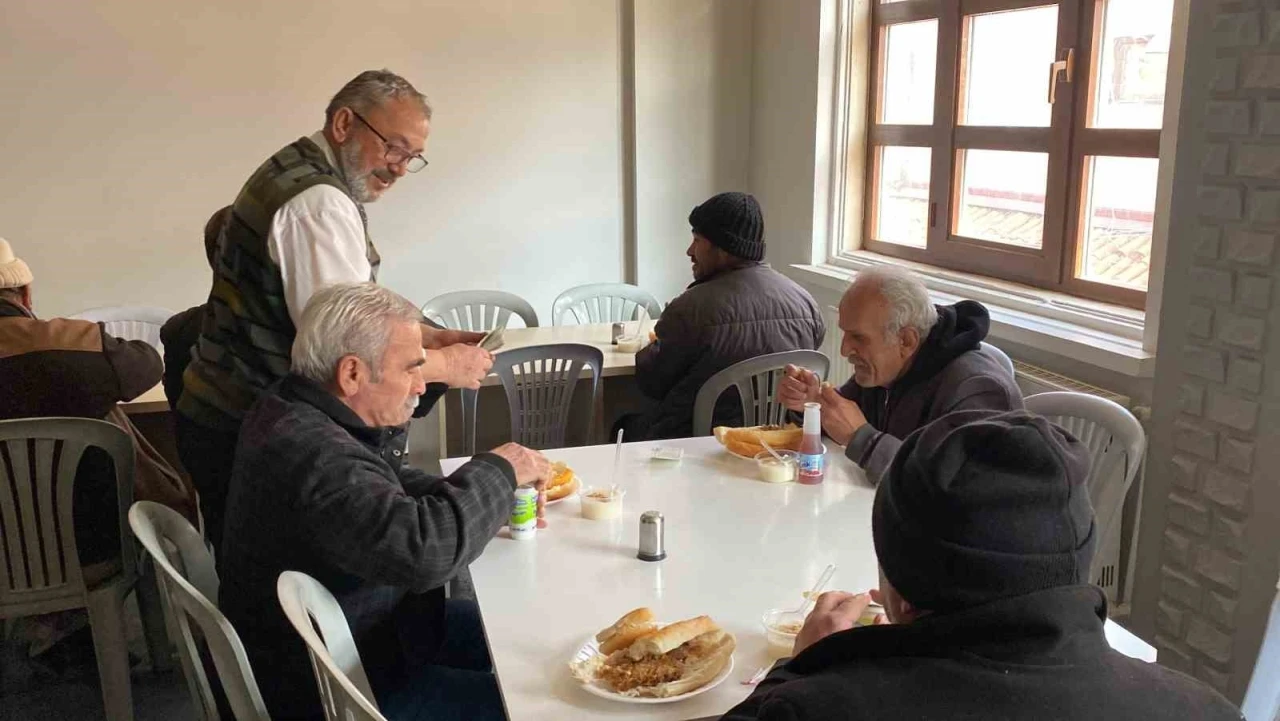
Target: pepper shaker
653,543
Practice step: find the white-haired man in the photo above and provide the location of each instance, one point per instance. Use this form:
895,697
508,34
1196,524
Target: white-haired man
913,362
320,485
298,225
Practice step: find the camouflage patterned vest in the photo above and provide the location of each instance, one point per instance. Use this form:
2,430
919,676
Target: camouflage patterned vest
247,335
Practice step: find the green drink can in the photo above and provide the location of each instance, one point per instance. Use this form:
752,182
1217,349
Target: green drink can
524,514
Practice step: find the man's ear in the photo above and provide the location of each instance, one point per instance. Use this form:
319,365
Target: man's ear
341,125
910,340
26,297
349,375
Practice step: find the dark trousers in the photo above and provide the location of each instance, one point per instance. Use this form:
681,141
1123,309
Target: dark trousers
208,456
456,683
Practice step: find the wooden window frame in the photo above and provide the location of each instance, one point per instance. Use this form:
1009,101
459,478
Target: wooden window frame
1069,141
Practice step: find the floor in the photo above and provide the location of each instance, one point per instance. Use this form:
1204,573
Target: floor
62,685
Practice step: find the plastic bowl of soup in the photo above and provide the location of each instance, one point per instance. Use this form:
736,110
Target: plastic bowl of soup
781,628
601,504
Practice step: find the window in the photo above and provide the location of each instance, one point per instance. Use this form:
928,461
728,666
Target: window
1017,139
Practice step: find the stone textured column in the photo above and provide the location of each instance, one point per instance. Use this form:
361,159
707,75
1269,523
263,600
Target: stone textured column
1210,538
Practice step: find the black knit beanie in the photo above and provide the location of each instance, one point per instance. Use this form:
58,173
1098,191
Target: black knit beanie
982,505
732,222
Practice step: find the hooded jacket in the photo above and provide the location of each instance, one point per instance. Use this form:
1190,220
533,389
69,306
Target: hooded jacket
950,372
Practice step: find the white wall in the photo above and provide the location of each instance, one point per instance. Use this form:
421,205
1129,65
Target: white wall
784,114
693,111
130,121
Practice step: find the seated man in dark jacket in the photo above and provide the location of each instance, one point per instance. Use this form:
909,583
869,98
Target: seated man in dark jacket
320,486
737,308
913,362
182,330
985,534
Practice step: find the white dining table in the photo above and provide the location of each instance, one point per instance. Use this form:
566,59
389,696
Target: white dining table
736,547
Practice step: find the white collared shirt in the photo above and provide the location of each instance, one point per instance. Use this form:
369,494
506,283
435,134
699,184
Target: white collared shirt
317,239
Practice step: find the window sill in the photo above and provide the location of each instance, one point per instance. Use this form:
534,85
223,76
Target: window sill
1102,335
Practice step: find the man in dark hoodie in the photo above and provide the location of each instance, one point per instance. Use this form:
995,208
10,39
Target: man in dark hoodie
985,535
913,362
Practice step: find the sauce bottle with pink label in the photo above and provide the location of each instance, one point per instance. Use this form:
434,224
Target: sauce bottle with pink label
811,449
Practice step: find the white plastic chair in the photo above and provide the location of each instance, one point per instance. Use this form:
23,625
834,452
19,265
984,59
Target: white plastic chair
540,381
479,310
757,381
1001,356
604,303
1116,443
1262,699
40,570
131,322
189,592
344,687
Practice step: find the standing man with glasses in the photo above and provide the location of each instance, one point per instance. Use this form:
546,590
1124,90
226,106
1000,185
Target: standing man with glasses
297,226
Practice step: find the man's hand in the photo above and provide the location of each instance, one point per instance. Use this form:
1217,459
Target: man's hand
438,338
841,417
835,611
798,386
531,466
461,366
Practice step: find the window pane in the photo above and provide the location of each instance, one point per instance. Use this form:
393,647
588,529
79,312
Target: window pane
1119,211
1133,61
910,60
902,196
1006,67
1002,196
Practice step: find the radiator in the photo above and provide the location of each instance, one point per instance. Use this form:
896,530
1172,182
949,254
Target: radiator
1032,380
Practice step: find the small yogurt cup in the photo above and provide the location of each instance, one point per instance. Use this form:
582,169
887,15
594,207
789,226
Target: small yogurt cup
773,471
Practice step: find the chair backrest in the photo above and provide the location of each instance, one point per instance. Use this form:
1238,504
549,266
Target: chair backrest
344,687
39,562
757,381
1000,356
540,381
1116,443
603,303
479,310
189,592
131,322
1262,699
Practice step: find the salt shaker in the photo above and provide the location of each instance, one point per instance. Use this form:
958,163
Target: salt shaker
653,544
615,332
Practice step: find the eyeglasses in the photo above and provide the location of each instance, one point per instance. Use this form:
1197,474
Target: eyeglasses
395,154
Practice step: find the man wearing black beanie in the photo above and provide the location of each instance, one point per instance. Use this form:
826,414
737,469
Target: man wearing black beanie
985,534
737,308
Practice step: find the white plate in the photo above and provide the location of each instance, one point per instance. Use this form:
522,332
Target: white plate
577,486
592,648
752,458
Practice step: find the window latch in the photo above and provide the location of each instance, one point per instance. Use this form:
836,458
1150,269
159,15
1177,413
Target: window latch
1065,67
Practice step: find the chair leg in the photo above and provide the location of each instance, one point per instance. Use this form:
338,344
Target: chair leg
152,612
106,620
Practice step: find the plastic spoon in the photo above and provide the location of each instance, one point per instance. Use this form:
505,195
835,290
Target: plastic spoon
772,452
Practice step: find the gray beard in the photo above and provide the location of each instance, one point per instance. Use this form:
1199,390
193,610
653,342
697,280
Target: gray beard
348,160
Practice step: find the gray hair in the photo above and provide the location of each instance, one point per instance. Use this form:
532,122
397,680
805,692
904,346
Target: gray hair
906,295
371,89
347,319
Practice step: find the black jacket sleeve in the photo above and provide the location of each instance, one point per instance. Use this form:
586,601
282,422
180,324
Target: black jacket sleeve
137,365
370,525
